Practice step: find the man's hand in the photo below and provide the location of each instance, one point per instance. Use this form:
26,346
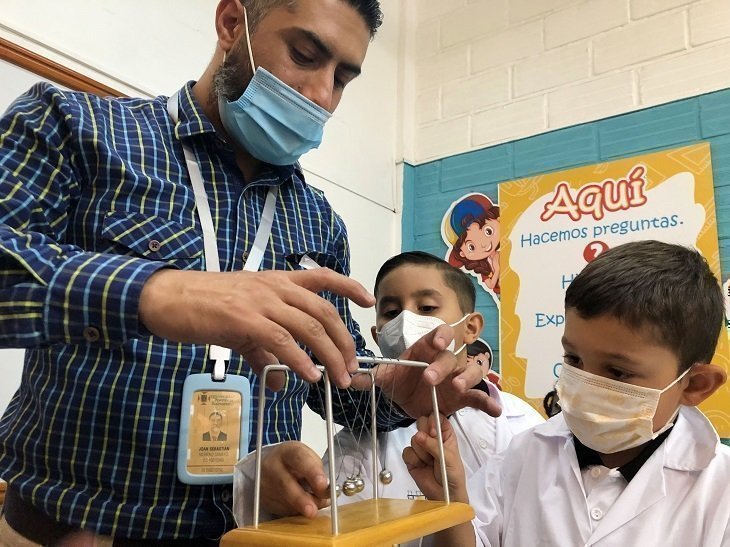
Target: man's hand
293,481
422,460
410,387
261,315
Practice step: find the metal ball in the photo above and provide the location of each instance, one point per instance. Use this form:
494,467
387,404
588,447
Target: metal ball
386,477
349,488
338,490
359,484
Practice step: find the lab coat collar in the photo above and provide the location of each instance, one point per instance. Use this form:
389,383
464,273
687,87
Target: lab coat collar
508,410
691,446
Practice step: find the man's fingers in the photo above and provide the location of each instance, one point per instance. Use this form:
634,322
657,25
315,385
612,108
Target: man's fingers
478,399
469,377
308,330
324,279
275,339
420,449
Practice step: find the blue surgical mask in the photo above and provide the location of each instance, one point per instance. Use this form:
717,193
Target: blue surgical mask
272,121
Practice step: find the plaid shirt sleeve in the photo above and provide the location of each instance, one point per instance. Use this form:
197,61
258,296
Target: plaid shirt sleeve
52,292
350,407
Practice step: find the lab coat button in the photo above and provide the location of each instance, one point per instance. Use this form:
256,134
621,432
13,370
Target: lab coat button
154,245
595,472
596,513
483,443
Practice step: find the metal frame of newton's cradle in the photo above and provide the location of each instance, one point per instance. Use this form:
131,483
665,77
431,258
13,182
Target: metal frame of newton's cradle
458,514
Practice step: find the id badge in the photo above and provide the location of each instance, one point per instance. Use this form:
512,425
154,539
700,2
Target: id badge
214,428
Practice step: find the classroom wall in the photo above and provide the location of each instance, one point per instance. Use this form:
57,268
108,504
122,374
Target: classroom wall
492,71
172,43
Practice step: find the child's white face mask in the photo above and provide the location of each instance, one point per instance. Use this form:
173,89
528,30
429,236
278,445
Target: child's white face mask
401,332
607,415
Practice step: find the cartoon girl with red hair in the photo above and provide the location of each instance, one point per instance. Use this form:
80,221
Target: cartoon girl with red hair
471,229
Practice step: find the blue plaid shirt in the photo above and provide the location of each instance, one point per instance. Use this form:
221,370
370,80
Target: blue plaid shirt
86,186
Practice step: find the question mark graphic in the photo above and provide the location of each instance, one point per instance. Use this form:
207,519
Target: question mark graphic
593,249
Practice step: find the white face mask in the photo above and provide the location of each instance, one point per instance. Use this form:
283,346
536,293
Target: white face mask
400,333
607,415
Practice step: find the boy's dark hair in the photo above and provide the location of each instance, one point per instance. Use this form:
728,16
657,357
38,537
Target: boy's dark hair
454,279
666,288
478,346
368,9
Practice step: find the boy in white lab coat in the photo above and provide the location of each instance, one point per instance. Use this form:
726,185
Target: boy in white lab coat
415,292
630,460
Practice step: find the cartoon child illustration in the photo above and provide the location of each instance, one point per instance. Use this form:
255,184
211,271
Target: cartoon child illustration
471,228
480,353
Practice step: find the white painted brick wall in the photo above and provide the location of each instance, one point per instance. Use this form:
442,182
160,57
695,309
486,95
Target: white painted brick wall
699,71
500,70
645,8
632,44
593,99
709,21
475,93
511,45
473,21
522,10
556,67
508,122
583,21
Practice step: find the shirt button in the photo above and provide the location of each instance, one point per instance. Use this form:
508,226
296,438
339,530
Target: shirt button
483,443
154,245
225,496
91,334
595,472
596,513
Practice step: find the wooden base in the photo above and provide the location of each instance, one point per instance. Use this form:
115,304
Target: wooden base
382,522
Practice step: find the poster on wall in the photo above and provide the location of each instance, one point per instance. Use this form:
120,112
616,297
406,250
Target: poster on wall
554,224
726,292
470,228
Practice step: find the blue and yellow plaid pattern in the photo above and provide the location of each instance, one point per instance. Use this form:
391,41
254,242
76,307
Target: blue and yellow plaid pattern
86,186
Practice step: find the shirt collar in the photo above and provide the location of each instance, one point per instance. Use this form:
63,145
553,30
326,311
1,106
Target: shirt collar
192,118
587,456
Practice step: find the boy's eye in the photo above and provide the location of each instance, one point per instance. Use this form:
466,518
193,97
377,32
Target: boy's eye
571,360
618,374
427,309
391,313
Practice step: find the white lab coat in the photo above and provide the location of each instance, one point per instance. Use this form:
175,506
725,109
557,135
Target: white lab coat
679,498
481,438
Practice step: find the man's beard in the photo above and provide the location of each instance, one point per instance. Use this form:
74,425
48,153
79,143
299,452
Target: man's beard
233,75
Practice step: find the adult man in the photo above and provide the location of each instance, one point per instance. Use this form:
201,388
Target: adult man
101,247
215,433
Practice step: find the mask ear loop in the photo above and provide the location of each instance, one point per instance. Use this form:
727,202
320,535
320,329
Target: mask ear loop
248,39
463,345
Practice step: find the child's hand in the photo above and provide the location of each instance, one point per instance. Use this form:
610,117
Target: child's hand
293,481
422,460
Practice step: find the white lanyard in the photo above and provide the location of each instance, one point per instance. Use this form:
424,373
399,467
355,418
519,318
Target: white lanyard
219,354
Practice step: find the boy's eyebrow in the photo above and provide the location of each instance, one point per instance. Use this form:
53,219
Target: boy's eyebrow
384,300
387,300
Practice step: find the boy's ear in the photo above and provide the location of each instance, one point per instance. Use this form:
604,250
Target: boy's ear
704,380
473,326
374,334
